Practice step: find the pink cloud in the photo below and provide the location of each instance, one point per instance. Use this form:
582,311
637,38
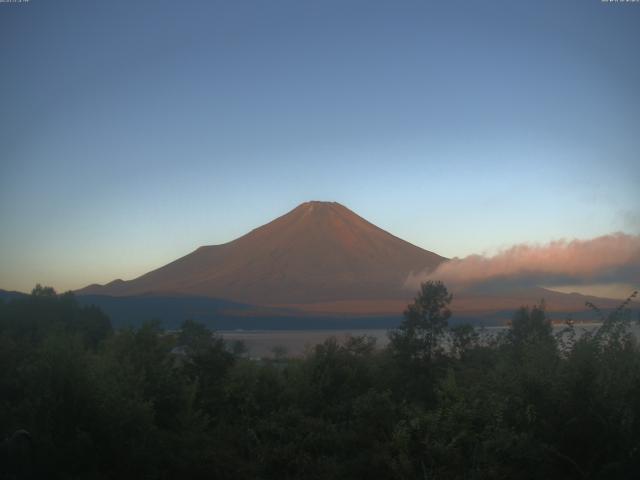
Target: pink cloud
610,258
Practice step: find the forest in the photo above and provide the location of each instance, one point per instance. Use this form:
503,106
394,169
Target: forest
79,399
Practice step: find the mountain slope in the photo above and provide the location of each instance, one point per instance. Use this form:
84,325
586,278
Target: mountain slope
318,252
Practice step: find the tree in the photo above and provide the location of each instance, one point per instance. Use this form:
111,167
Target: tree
425,322
239,348
40,291
531,326
463,338
279,352
195,336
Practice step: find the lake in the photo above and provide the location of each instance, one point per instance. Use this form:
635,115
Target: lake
260,343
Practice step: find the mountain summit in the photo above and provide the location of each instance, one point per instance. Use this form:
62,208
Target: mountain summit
318,252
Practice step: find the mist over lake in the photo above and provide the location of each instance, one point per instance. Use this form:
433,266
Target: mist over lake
295,343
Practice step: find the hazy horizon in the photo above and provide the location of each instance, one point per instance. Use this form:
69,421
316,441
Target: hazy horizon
607,266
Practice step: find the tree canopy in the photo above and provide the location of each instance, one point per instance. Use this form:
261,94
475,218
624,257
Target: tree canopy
438,402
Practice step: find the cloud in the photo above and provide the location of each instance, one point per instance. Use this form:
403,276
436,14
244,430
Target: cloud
611,258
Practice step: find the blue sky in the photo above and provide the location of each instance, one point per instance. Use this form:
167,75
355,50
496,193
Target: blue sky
132,132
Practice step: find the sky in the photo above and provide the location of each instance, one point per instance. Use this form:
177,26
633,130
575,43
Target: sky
132,132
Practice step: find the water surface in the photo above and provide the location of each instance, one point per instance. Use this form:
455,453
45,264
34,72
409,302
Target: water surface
261,343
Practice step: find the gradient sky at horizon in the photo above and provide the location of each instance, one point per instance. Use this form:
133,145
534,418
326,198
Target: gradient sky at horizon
132,132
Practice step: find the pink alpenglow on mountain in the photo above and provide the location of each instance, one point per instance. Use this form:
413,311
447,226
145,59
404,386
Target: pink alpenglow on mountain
322,258
320,253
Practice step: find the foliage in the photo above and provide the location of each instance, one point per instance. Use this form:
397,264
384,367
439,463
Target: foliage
425,322
439,402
